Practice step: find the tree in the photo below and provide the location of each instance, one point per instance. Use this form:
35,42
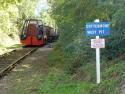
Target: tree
72,15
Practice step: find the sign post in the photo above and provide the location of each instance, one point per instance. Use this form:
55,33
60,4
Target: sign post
97,29
98,63
98,77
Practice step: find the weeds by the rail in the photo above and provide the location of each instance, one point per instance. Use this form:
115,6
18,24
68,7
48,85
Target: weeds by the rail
83,80
4,49
57,82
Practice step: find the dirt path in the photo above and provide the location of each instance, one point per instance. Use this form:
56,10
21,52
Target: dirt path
27,77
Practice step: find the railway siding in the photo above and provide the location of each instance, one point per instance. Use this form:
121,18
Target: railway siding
26,77
8,61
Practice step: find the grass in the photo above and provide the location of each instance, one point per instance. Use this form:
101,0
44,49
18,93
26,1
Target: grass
82,81
15,46
4,49
59,81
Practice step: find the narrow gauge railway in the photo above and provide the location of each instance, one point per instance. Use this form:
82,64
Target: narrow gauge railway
35,33
8,61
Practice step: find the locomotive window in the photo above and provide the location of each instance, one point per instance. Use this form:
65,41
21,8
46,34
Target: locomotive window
33,22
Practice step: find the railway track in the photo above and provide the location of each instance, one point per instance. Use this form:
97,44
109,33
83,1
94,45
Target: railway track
8,61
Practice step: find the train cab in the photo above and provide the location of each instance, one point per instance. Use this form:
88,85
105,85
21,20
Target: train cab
32,33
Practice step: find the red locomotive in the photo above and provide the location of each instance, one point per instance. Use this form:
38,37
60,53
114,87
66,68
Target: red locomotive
34,33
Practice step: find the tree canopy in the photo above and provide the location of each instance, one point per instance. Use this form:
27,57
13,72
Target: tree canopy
12,12
72,15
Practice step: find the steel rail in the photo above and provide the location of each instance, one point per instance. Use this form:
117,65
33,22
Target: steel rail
8,68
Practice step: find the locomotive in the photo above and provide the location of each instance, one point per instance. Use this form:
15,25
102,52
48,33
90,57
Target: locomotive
35,33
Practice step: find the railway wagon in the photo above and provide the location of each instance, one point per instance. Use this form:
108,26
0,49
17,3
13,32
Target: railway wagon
36,33
51,33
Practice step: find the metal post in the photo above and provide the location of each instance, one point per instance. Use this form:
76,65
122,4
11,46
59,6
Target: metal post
97,61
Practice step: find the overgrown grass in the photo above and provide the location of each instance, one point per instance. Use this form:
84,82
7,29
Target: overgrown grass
15,46
83,80
4,49
58,82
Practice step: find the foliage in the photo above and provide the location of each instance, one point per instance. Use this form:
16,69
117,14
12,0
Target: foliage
13,10
26,11
83,80
12,15
73,51
58,82
71,16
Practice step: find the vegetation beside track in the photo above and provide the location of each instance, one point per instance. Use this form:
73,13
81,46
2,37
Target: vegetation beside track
65,78
72,53
73,61
12,15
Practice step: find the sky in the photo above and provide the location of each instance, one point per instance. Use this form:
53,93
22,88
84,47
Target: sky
41,6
